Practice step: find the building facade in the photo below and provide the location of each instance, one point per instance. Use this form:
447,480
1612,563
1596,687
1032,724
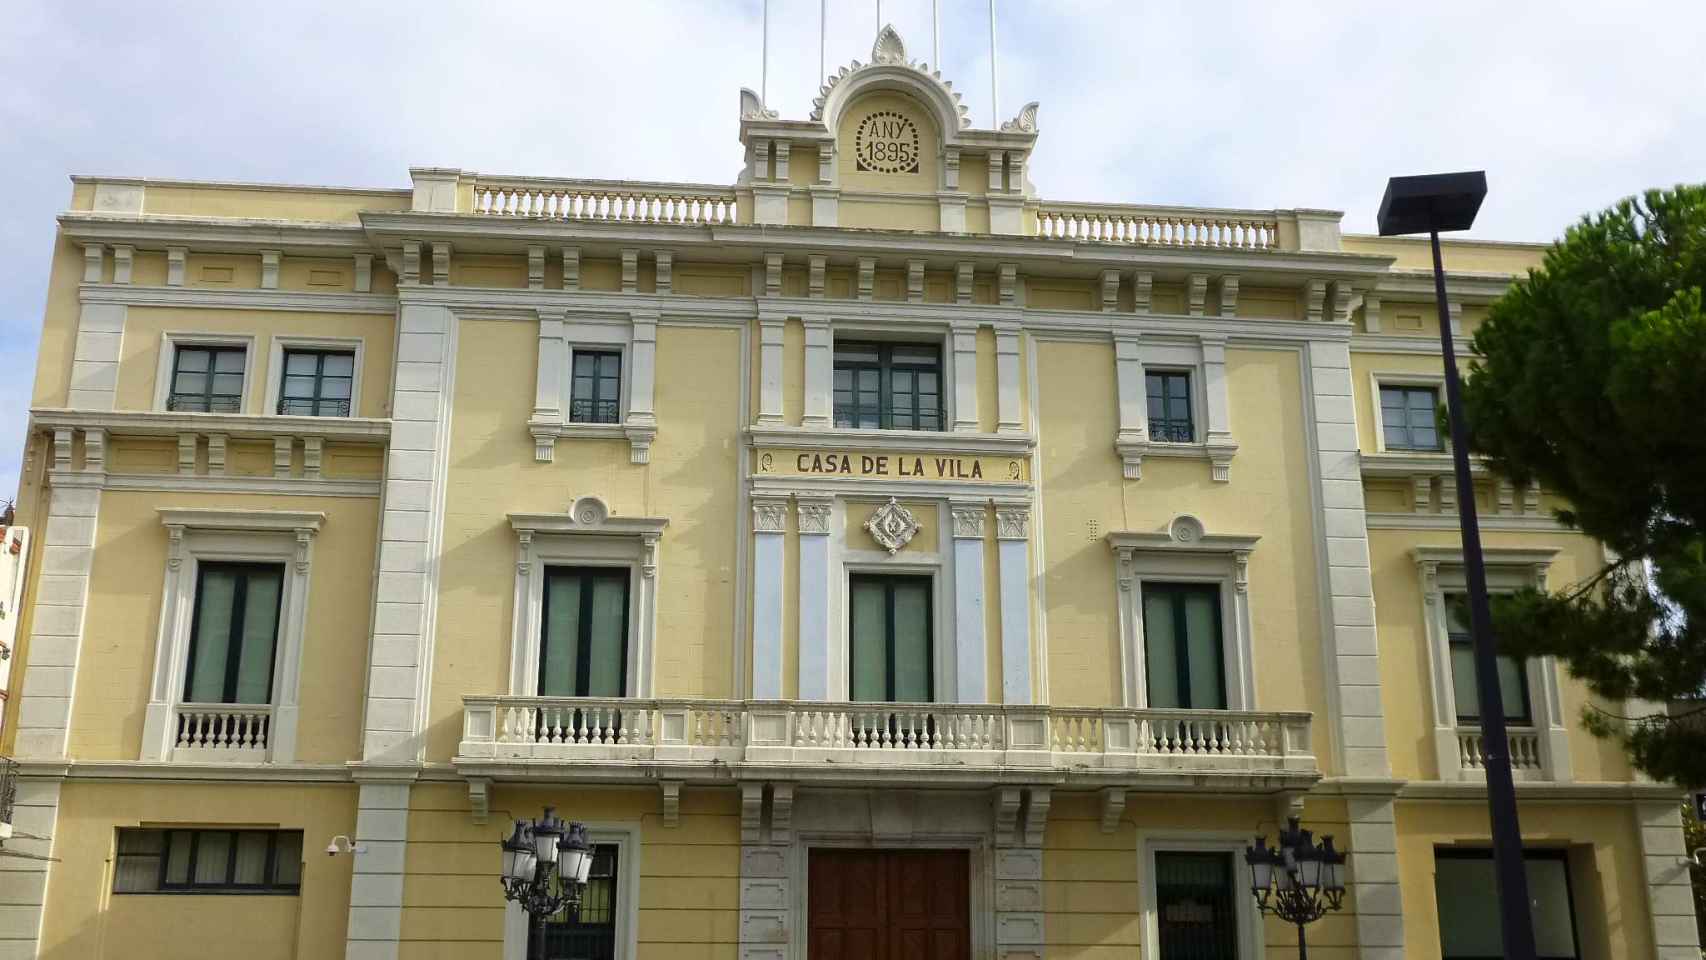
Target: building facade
880,559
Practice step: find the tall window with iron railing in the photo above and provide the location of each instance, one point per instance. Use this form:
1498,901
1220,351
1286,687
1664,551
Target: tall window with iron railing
1169,394
596,391
317,383
207,380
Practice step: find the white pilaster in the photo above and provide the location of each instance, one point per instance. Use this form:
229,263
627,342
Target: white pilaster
1351,643
965,377
970,656
405,611
770,327
56,637
376,884
820,373
1219,442
769,526
641,424
1670,898
1008,417
94,358
816,637
1013,533
548,377
1132,440
1373,863
24,874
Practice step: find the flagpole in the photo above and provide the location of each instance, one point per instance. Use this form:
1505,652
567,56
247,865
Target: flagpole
994,97
822,15
936,33
764,71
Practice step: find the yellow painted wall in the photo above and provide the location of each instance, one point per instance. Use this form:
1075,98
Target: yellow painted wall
1085,497
59,326
689,887
259,201
1478,256
144,326
691,480
85,920
1606,870
122,622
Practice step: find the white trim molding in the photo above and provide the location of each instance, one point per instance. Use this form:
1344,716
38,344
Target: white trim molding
1540,751
587,535
561,334
1151,842
207,534
275,366
1186,553
1203,357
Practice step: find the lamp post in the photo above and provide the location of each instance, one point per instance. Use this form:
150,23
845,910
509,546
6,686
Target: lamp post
1298,881
1430,204
538,853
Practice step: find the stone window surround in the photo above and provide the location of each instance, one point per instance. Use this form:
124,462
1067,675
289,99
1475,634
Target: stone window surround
171,340
561,332
1440,570
957,340
1379,379
587,535
626,837
275,365
1204,358
199,534
1151,842
1186,554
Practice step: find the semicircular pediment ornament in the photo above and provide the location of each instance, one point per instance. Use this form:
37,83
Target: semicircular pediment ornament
1025,122
889,52
589,511
892,526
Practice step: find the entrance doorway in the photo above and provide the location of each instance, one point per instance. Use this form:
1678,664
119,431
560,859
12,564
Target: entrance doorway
889,905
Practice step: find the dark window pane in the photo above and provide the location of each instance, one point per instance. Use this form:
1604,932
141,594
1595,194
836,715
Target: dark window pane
1196,914
891,638
233,633
584,650
888,386
212,857
1169,401
178,848
137,869
1182,645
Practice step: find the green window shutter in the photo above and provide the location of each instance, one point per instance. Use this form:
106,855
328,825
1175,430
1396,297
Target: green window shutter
1183,647
891,639
870,640
584,649
234,634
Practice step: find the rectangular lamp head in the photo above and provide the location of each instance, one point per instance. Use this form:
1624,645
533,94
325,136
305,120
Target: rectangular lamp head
1434,201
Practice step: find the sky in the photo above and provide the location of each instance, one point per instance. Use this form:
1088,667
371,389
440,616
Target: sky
1567,105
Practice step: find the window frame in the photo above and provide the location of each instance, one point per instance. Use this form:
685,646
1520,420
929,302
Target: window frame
1380,379
1149,843
885,342
1457,639
1164,373
280,345
240,604
1178,589
1405,390
195,535
1528,853
230,886
576,352
166,365
888,578
582,641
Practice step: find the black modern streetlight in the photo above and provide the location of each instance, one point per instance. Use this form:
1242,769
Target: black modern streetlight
538,853
1431,204
1298,881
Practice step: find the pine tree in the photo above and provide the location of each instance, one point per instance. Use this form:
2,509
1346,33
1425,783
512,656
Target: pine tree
1591,378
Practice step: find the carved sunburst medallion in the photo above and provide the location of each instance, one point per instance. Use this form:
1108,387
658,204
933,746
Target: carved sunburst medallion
892,526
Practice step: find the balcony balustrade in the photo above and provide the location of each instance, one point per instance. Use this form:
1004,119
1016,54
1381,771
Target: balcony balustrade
1158,226
1527,761
604,200
223,732
807,734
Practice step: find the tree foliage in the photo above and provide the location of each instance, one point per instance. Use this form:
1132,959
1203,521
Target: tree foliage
1591,378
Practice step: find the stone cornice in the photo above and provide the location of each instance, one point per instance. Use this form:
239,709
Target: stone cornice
234,235
237,299
239,425
939,442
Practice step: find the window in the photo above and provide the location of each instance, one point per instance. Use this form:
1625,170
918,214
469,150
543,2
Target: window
1407,418
1467,894
1182,646
233,633
208,861
596,393
207,380
1195,908
1513,674
589,932
317,383
584,649
889,386
890,627
1170,406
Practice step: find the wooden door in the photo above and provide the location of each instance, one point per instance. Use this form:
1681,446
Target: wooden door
889,905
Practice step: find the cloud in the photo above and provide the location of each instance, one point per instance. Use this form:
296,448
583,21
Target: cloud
1567,105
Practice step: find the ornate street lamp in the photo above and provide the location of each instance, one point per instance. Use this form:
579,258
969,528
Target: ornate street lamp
545,867
1298,881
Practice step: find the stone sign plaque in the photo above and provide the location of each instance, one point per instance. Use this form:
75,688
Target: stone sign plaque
886,142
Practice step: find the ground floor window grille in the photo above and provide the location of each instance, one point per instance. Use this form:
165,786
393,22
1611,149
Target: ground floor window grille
1195,914
589,931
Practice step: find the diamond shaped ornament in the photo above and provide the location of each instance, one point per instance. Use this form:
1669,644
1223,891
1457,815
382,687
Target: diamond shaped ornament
892,526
